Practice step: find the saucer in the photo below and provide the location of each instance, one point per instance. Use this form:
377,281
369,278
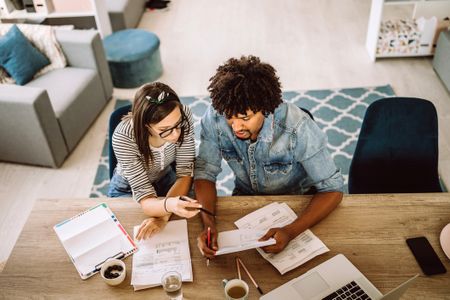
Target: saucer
445,240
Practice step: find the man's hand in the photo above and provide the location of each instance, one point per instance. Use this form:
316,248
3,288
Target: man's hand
150,226
280,235
202,240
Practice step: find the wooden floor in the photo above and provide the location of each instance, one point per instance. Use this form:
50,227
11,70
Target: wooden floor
313,44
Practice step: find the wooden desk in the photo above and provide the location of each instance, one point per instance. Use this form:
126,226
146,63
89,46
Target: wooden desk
369,229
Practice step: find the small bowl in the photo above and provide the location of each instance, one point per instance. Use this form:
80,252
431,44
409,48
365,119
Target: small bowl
445,240
113,262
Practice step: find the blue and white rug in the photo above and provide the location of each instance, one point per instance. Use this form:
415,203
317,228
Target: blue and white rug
338,112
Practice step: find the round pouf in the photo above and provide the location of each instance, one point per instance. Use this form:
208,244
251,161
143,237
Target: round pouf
133,57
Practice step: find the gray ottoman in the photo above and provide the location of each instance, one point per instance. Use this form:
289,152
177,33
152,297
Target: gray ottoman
441,61
133,57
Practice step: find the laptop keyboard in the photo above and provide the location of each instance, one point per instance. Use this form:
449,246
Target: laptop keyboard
349,291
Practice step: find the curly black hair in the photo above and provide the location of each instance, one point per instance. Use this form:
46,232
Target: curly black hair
243,84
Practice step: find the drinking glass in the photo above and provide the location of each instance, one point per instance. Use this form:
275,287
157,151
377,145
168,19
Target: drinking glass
171,282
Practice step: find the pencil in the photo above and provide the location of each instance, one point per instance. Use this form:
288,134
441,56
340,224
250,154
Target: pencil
250,276
182,198
208,244
238,268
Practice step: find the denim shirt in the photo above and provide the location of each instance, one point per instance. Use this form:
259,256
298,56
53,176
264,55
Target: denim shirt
290,154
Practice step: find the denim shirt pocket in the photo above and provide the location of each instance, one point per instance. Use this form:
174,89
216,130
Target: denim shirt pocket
277,170
231,156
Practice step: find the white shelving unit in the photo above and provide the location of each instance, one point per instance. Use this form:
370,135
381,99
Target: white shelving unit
99,12
420,8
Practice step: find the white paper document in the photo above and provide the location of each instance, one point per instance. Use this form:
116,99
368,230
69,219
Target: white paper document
167,250
301,249
240,240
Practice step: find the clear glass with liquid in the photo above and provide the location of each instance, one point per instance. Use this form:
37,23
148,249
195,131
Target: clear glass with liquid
171,282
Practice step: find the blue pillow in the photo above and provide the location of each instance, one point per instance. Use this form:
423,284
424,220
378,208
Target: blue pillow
18,56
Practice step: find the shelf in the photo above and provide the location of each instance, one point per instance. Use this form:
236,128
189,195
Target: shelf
21,14
402,55
98,11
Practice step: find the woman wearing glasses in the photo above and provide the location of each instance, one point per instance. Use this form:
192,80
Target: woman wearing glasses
155,148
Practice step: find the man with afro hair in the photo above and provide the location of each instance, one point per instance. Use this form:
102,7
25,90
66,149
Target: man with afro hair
273,148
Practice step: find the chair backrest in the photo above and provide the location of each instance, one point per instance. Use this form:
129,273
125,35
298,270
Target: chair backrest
114,120
397,149
308,112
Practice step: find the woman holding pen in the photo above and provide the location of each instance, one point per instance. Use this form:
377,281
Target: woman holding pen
155,149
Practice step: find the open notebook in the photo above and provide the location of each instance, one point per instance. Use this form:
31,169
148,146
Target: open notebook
93,236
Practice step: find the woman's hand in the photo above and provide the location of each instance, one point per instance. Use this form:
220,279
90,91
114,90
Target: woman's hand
150,226
184,208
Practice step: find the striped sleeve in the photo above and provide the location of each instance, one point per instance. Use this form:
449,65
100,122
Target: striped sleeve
185,153
128,155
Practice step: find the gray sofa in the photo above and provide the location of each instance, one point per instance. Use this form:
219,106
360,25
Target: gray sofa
42,122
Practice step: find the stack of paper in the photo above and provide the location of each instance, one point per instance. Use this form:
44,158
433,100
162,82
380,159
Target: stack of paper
167,250
301,249
240,239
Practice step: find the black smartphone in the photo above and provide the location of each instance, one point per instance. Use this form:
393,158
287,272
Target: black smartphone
428,260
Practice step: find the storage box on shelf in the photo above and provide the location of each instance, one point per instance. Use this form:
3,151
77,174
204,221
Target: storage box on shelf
400,36
45,9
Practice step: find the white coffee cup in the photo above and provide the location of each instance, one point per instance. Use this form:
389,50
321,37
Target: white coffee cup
235,289
113,262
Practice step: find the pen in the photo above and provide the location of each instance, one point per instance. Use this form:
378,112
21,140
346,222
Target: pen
208,244
182,198
250,276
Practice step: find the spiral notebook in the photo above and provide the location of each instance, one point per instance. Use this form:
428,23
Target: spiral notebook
92,237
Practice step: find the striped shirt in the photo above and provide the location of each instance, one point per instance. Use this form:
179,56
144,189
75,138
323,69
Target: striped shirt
130,162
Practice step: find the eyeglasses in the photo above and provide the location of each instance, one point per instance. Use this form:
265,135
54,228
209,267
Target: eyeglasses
179,125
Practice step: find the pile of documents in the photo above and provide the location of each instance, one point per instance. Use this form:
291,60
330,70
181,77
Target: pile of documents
241,239
167,250
301,249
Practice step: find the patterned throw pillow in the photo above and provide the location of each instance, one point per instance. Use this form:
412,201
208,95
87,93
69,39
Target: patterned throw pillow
18,56
44,39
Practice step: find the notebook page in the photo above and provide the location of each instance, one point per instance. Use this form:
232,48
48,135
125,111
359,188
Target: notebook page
167,250
86,262
78,225
91,238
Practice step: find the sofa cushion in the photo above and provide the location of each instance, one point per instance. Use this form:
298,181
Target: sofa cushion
43,38
77,98
71,81
18,56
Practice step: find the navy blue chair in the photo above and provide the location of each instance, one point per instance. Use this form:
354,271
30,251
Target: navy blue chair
308,112
114,120
397,149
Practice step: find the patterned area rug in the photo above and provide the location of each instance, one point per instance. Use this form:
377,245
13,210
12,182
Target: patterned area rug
338,112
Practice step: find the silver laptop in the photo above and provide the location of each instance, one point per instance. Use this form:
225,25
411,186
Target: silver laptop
336,278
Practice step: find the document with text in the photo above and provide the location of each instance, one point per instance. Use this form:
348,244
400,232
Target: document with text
240,239
300,250
167,250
